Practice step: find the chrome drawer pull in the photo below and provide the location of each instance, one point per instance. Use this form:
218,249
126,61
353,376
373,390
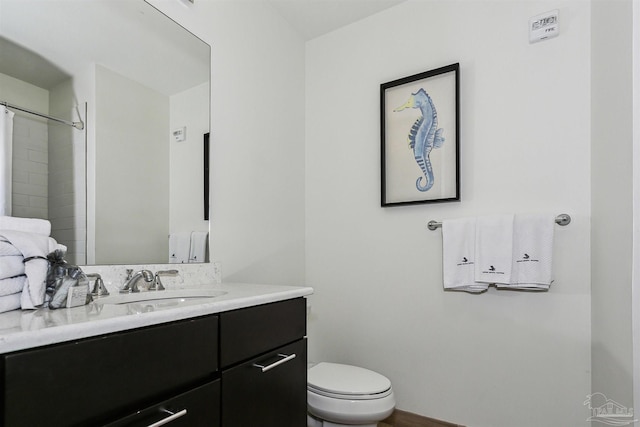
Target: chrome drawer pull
274,364
173,416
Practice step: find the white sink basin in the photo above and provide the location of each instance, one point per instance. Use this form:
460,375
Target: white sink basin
174,294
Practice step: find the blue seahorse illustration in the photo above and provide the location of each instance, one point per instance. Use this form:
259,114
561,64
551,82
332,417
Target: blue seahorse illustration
424,134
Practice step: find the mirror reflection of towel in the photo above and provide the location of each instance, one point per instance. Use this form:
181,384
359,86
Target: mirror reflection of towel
179,245
198,247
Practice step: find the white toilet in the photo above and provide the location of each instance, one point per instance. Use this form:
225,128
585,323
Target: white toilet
344,395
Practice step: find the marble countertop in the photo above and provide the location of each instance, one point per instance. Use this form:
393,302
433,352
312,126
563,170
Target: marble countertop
21,330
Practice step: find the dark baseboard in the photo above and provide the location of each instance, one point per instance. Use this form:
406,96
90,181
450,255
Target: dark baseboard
407,419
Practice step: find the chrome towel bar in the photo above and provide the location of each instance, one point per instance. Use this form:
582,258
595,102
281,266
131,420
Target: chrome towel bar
562,219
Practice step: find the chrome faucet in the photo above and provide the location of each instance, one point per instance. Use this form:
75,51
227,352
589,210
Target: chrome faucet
99,290
131,285
157,283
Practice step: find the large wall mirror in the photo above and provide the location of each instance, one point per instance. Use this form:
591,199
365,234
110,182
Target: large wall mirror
118,189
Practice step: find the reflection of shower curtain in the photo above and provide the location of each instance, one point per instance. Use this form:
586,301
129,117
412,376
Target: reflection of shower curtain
6,150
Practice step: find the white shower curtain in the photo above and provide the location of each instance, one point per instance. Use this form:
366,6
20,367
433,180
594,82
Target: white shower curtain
6,152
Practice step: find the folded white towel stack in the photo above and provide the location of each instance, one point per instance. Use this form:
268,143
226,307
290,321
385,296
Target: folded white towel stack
198,246
24,246
11,266
179,245
458,255
9,302
7,249
34,249
532,252
29,225
494,248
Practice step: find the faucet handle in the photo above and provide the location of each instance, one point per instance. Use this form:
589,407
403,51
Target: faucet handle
99,290
157,283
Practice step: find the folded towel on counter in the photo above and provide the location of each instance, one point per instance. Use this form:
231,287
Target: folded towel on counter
494,249
12,285
198,246
458,255
532,252
11,266
30,225
10,302
34,249
7,249
179,245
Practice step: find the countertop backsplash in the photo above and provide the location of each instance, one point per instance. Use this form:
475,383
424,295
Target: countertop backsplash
189,276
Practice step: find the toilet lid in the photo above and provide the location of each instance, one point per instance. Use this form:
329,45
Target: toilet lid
346,379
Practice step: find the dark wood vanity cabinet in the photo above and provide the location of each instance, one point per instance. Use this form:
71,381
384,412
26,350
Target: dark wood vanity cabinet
263,354
142,376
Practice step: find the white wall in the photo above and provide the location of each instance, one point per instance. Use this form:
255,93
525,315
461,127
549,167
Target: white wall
67,179
497,359
257,138
189,109
612,199
132,189
636,204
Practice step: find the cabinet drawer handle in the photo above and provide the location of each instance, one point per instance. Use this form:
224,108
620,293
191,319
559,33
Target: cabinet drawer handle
285,359
172,416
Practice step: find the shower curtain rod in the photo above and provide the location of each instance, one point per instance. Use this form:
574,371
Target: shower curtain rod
77,125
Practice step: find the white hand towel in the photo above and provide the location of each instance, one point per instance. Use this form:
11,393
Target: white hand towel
9,302
31,225
494,249
458,255
179,244
198,247
34,249
11,266
532,252
13,285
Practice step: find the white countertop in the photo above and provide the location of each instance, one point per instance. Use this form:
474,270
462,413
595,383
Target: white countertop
21,330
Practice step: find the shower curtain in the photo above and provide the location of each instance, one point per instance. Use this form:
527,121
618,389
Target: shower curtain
6,152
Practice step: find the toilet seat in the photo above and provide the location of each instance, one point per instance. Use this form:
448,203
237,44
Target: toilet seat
340,381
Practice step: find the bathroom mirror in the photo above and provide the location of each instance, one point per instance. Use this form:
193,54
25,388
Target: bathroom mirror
140,83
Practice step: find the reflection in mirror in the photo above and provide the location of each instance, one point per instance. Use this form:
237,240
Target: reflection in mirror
115,191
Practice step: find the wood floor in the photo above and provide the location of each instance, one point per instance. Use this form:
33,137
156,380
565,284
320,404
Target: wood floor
407,419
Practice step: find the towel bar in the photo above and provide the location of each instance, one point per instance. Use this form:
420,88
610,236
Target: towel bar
562,219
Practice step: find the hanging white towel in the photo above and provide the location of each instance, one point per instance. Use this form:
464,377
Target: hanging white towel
31,225
6,153
179,245
532,252
11,266
494,249
198,247
458,255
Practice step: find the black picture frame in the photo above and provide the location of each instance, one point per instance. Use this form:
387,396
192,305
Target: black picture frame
420,138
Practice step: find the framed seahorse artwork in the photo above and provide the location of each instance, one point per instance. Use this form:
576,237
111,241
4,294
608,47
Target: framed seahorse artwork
420,147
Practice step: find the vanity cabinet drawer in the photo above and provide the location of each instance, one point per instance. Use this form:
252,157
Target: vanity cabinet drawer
89,381
267,391
199,407
248,332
